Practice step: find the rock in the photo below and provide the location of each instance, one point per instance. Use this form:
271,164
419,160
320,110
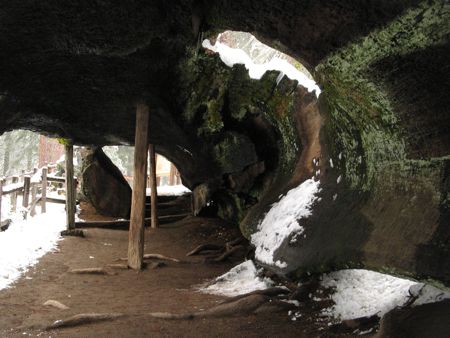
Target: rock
423,321
103,184
303,291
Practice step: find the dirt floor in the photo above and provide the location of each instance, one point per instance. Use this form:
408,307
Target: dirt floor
166,289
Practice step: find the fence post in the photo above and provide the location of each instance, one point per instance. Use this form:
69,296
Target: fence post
13,196
26,191
44,190
2,181
33,199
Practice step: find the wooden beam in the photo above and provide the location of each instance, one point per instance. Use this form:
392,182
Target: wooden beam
154,191
44,190
136,233
70,189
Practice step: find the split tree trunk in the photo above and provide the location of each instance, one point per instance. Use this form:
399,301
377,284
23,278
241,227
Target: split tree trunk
136,232
154,191
70,189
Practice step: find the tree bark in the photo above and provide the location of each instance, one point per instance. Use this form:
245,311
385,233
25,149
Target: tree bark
136,233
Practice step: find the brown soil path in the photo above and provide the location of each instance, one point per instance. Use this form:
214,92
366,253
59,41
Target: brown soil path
166,289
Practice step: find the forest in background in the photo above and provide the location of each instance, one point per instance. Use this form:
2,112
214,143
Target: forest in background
19,150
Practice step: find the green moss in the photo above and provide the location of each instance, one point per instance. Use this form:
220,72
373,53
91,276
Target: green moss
362,126
65,141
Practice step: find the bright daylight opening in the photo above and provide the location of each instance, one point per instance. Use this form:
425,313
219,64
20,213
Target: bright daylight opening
28,229
258,58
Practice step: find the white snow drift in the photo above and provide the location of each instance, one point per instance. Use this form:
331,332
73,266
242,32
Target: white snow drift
26,241
241,279
360,293
282,221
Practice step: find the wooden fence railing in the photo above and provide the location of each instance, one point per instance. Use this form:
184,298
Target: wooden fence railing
34,184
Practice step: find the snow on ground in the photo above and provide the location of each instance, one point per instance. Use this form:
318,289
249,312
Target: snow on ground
282,221
26,241
231,56
170,190
360,293
241,279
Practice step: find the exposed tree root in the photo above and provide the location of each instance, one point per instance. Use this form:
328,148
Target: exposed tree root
270,292
219,253
156,265
84,318
161,257
205,247
91,271
156,256
239,307
56,304
118,266
225,255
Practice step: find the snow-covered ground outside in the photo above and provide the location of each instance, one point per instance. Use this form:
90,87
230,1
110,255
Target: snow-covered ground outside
241,279
170,190
360,293
282,221
231,56
25,241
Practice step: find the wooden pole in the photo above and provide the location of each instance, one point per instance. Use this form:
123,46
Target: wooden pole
44,191
70,191
13,196
26,191
154,191
136,232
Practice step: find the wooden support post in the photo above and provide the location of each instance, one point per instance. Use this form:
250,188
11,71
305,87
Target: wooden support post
44,191
2,181
26,190
154,191
70,191
13,195
136,232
